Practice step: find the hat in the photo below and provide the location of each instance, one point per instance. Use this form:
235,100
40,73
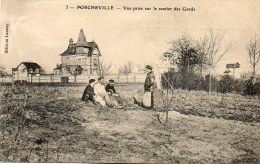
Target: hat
111,80
100,78
92,80
149,67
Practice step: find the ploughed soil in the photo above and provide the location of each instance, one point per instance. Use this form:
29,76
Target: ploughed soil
52,124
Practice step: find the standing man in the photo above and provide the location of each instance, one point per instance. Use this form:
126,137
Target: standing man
149,86
88,94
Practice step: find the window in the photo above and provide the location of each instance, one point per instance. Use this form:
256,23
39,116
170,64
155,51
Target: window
95,61
96,52
86,50
30,70
94,71
82,50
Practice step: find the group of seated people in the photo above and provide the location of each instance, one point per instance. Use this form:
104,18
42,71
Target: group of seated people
96,93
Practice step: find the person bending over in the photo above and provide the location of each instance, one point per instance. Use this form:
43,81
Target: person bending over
110,88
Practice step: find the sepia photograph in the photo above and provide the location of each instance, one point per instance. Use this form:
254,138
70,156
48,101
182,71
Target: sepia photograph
130,81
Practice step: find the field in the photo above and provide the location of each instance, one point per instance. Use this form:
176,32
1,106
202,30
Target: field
52,124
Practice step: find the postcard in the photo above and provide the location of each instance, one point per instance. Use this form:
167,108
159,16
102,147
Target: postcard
130,81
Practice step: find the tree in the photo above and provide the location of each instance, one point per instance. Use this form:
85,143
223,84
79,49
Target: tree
2,72
75,71
127,69
212,48
104,69
253,50
183,53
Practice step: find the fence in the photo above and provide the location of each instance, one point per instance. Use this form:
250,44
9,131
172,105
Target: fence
118,78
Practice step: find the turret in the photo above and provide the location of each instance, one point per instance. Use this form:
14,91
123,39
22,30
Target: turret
81,37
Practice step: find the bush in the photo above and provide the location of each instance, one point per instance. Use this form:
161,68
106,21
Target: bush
171,78
65,80
226,84
251,88
238,86
195,81
192,81
214,83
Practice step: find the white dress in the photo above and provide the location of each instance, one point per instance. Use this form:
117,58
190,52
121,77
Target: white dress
100,94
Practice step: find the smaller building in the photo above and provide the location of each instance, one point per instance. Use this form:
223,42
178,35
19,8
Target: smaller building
25,71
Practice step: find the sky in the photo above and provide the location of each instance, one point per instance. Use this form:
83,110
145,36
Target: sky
39,30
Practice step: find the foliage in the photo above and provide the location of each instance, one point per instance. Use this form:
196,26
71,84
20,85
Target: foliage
239,86
65,80
193,81
3,73
184,54
75,71
214,83
192,56
226,84
251,87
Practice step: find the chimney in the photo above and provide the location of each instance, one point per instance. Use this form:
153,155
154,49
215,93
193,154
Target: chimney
70,42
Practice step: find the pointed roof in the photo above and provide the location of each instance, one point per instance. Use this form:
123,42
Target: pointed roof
30,65
81,37
79,45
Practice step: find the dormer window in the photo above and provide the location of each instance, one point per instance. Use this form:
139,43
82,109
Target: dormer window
37,70
30,70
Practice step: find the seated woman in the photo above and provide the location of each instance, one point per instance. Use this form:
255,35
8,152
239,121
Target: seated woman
101,95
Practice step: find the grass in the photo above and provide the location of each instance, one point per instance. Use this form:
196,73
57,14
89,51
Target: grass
51,124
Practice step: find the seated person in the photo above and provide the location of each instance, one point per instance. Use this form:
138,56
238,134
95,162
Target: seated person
100,92
114,95
102,96
110,88
88,94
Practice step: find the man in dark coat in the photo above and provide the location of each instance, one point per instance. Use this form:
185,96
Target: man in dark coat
149,80
88,94
149,86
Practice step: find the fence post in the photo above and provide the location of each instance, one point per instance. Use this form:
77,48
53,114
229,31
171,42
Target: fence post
118,78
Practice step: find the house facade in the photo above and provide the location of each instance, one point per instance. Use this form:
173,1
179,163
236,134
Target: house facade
81,54
25,71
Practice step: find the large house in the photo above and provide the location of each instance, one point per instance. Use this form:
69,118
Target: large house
25,71
82,54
